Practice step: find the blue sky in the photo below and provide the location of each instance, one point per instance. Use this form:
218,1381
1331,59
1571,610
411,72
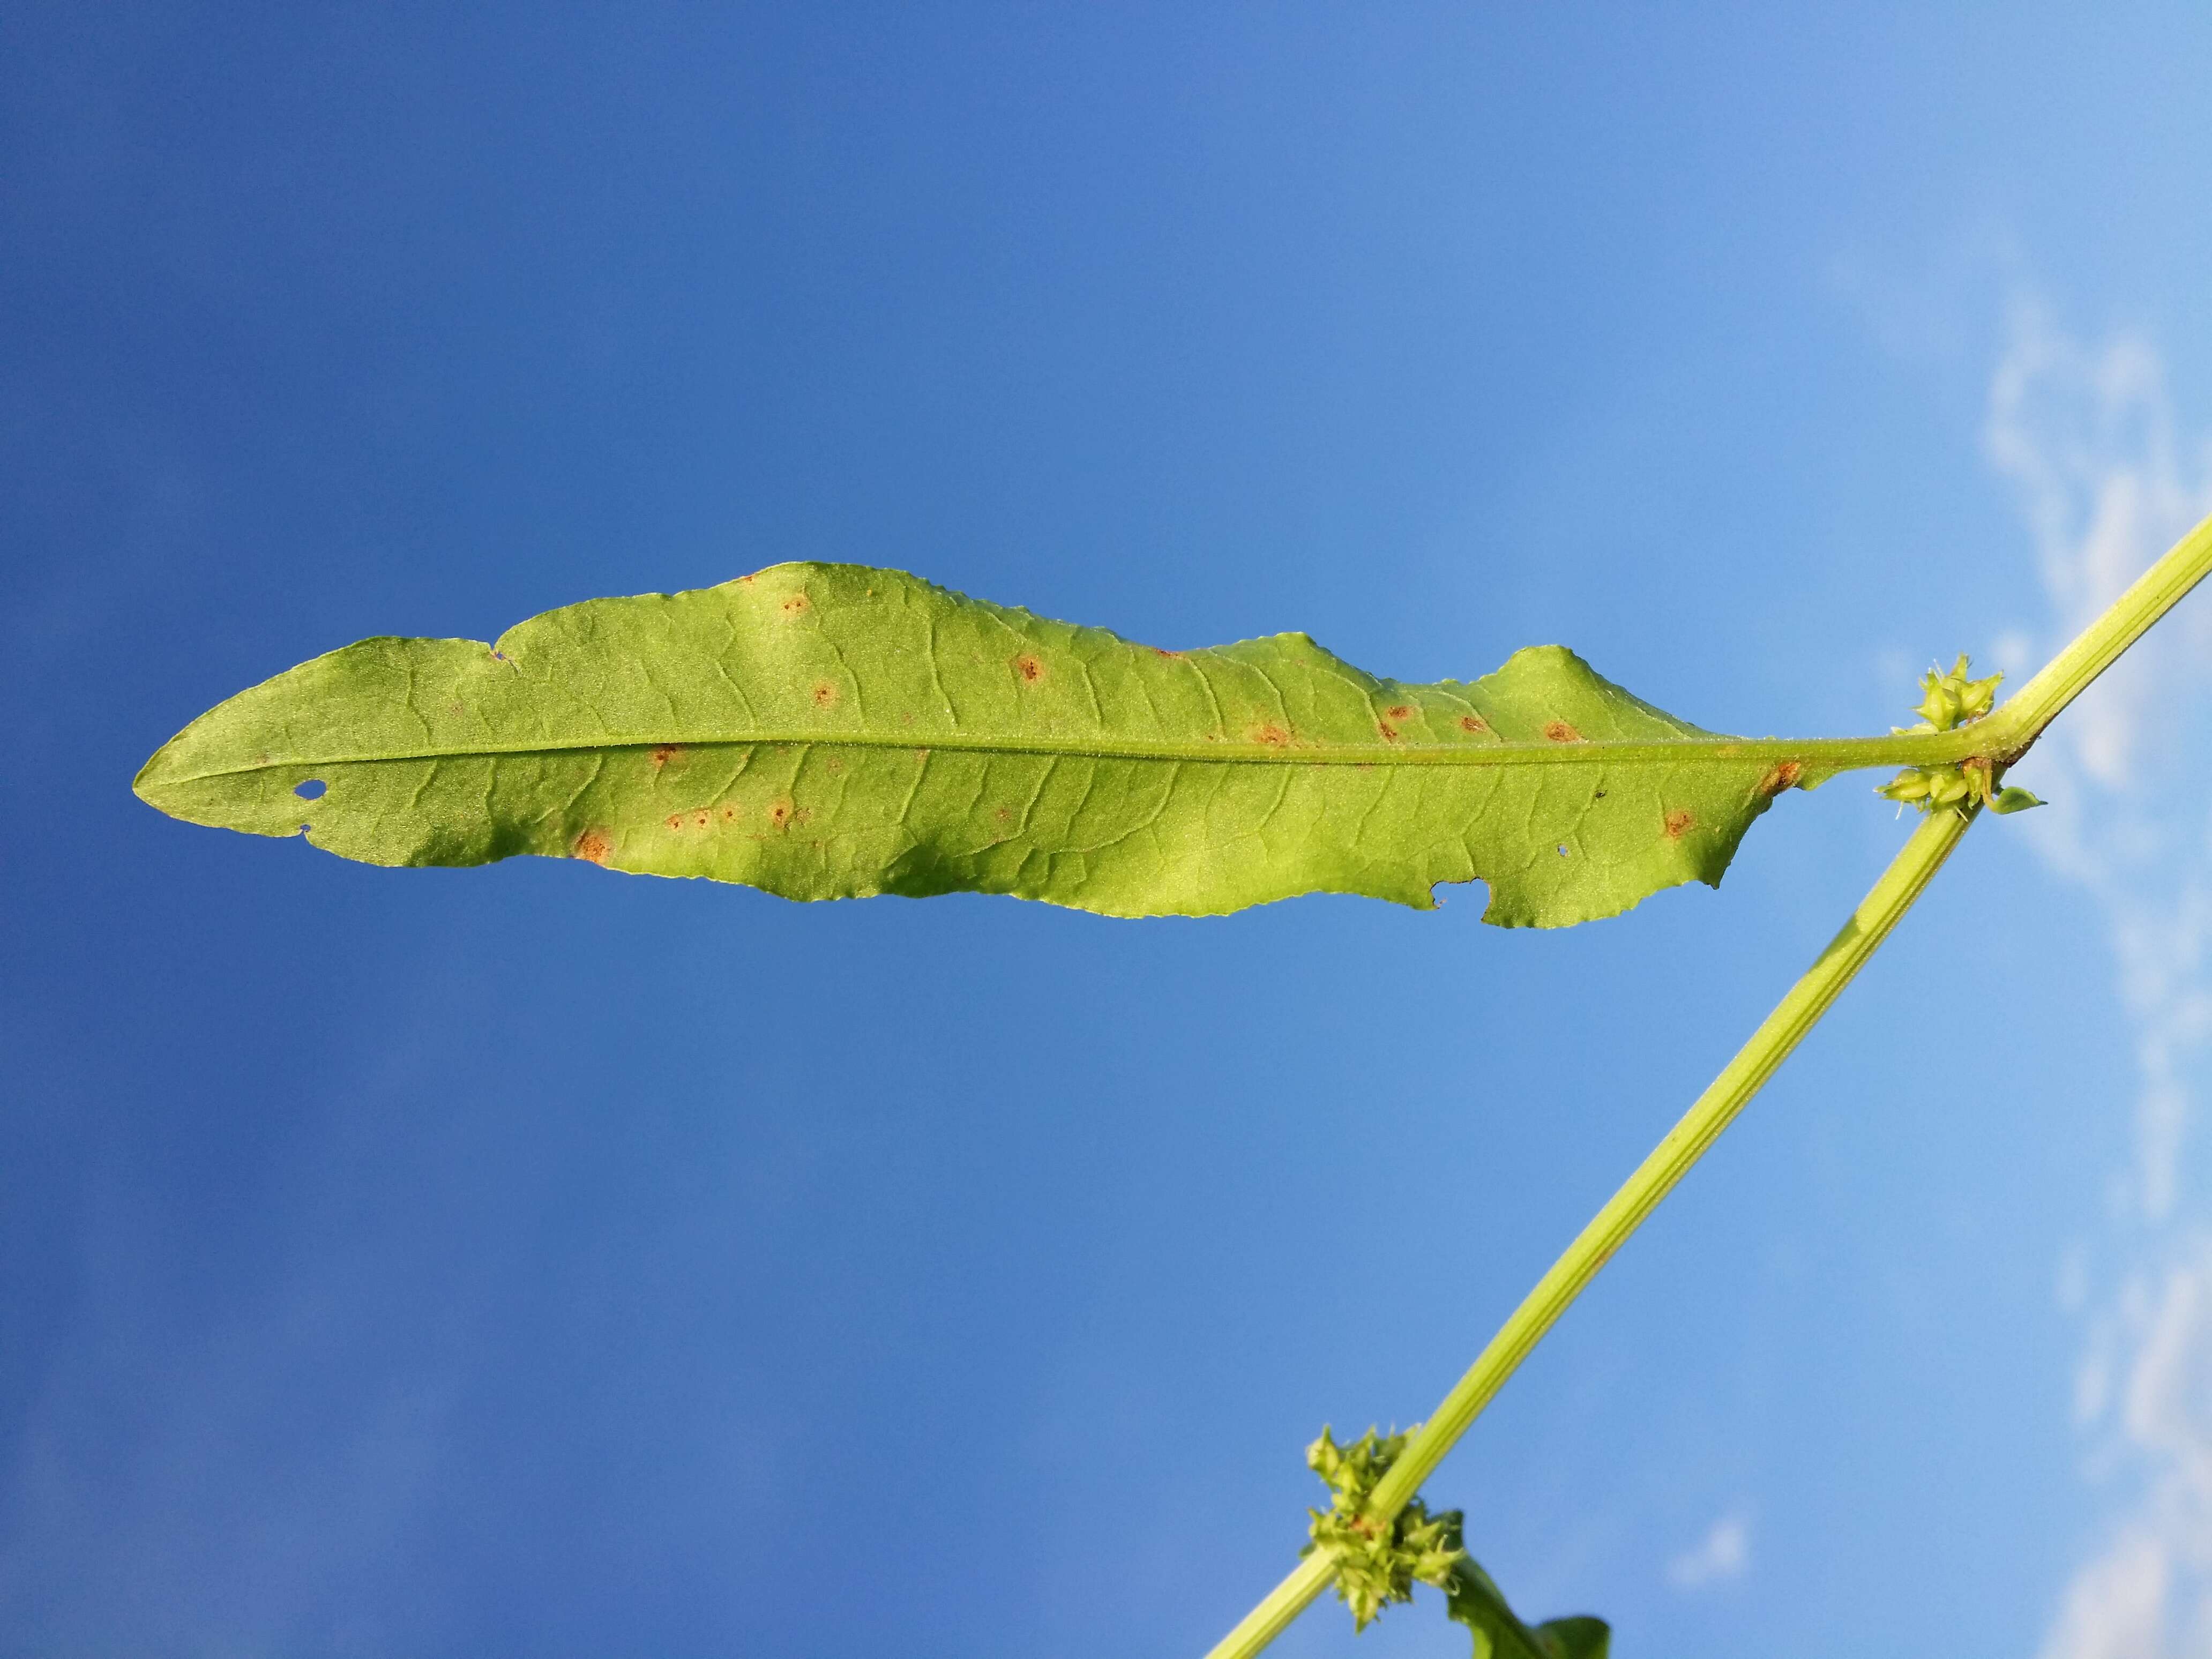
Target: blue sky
529,1260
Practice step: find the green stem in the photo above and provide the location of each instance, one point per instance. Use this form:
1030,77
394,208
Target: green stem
1686,1143
1777,1035
2067,675
2002,738
1283,1603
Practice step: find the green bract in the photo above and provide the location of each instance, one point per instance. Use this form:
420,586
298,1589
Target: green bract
831,731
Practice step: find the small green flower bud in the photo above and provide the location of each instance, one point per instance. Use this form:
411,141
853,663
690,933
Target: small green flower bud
1946,788
1940,707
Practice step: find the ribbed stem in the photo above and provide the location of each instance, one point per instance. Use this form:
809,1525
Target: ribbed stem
2068,674
1777,1035
1686,1143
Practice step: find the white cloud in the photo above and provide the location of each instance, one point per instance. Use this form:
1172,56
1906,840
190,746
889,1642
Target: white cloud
2115,1606
2088,435
1724,1553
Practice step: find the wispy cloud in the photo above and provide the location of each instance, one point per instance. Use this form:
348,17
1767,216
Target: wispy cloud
1724,1553
2088,435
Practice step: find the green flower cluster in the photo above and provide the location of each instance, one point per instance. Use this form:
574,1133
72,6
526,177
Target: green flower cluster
1378,1562
1948,701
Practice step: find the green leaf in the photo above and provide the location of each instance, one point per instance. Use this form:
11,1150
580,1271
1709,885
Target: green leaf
833,731
2010,799
1476,1603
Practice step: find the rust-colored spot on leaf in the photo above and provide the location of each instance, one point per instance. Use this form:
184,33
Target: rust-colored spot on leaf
1781,777
592,847
666,753
1472,723
1172,656
675,821
1029,668
1678,823
700,818
730,811
1270,733
825,694
796,604
1560,732
1005,813
1390,732
779,815
1404,711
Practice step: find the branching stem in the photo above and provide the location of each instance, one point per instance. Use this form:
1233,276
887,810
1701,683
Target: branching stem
2002,738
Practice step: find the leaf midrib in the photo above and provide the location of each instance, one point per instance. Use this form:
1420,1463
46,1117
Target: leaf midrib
1839,753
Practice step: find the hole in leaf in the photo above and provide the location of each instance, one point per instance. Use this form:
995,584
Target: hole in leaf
311,790
1563,849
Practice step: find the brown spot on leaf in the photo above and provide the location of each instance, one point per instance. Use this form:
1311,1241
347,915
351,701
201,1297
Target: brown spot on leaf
1005,813
675,822
1029,668
666,753
592,847
1560,732
1678,823
825,694
1172,656
796,604
1390,732
700,818
1404,711
1472,723
1271,734
779,815
1782,777
729,812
